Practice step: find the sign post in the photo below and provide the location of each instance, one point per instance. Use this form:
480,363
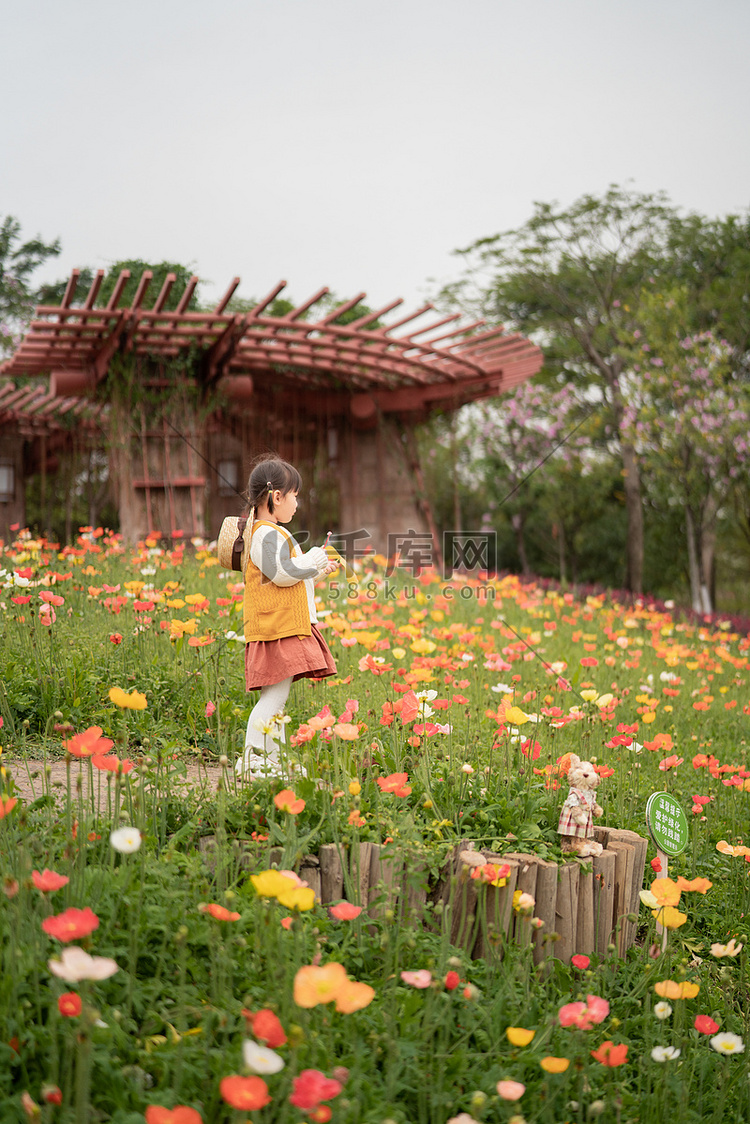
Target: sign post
668,827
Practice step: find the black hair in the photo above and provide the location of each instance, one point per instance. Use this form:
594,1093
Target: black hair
267,477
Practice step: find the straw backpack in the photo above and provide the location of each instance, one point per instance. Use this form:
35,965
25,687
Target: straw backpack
233,543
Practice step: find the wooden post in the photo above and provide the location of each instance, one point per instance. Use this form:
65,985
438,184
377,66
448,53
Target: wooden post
625,854
376,877
495,909
463,899
663,873
546,905
639,863
585,941
386,870
359,869
566,911
414,881
331,873
526,883
604,899
309,872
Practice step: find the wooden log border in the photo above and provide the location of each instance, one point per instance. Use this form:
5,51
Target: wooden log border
583,903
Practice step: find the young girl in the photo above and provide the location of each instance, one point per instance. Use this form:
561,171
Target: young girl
282,641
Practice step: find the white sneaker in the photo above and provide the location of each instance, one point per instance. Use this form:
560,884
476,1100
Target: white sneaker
258,765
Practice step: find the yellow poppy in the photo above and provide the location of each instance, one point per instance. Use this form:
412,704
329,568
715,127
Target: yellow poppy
554,1065
669,917
671,989
519,1036
128,701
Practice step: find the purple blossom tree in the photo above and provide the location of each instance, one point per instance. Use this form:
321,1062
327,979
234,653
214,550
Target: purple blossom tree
518,434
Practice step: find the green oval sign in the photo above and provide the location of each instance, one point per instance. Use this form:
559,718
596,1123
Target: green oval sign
667,823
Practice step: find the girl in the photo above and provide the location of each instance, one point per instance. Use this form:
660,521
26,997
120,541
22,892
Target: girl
282,641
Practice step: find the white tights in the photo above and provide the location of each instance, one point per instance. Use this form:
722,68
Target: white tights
272,701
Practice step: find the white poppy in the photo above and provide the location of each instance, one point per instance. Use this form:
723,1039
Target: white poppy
75,965
126,840
259,1059
665,1053
726,1043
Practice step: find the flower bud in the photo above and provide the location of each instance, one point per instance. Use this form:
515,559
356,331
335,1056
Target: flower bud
52,1094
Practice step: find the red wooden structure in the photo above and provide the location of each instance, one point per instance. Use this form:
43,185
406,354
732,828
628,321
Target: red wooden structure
340,399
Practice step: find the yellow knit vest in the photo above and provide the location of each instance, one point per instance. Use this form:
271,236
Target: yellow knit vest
271,611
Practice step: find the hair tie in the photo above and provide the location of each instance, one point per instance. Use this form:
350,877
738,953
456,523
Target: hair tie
269,485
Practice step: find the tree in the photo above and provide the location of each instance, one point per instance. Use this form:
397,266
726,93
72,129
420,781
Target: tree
18,260
689,420
710,259
571,279
516,435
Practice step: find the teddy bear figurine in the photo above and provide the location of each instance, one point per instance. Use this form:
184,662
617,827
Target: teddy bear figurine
576,824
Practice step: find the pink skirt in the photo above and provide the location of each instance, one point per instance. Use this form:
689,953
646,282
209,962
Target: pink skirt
302,657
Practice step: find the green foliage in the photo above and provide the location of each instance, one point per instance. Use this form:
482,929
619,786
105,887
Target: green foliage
136,267
18,261
168,1025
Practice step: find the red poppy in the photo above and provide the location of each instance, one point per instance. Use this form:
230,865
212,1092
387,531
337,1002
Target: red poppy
69,1005
705,1025
219,912
345,911
111,763
395,783
589,661
266,1027
531,749
312,1087
580,961
610,1055
48,880
180,1114
247,1093
451,981
410,707
71,925
287,801
7,804
88,743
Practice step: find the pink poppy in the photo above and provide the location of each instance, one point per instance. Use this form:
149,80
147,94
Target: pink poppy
420,979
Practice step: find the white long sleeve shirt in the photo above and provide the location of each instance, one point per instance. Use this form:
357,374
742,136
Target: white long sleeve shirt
283,563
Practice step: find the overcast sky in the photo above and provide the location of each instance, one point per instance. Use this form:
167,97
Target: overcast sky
352,144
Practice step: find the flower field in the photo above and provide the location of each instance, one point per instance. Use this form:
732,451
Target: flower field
163,959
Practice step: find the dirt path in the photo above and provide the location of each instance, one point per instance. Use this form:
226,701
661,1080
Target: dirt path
28,776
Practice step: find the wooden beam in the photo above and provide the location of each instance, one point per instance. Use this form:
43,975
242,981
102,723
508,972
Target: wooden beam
120,284
297,312
166,288
140,293
340,310
102,359
363,321
227,296
70,289
187,296
96,285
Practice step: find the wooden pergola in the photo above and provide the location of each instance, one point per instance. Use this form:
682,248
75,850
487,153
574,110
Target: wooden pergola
358,387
